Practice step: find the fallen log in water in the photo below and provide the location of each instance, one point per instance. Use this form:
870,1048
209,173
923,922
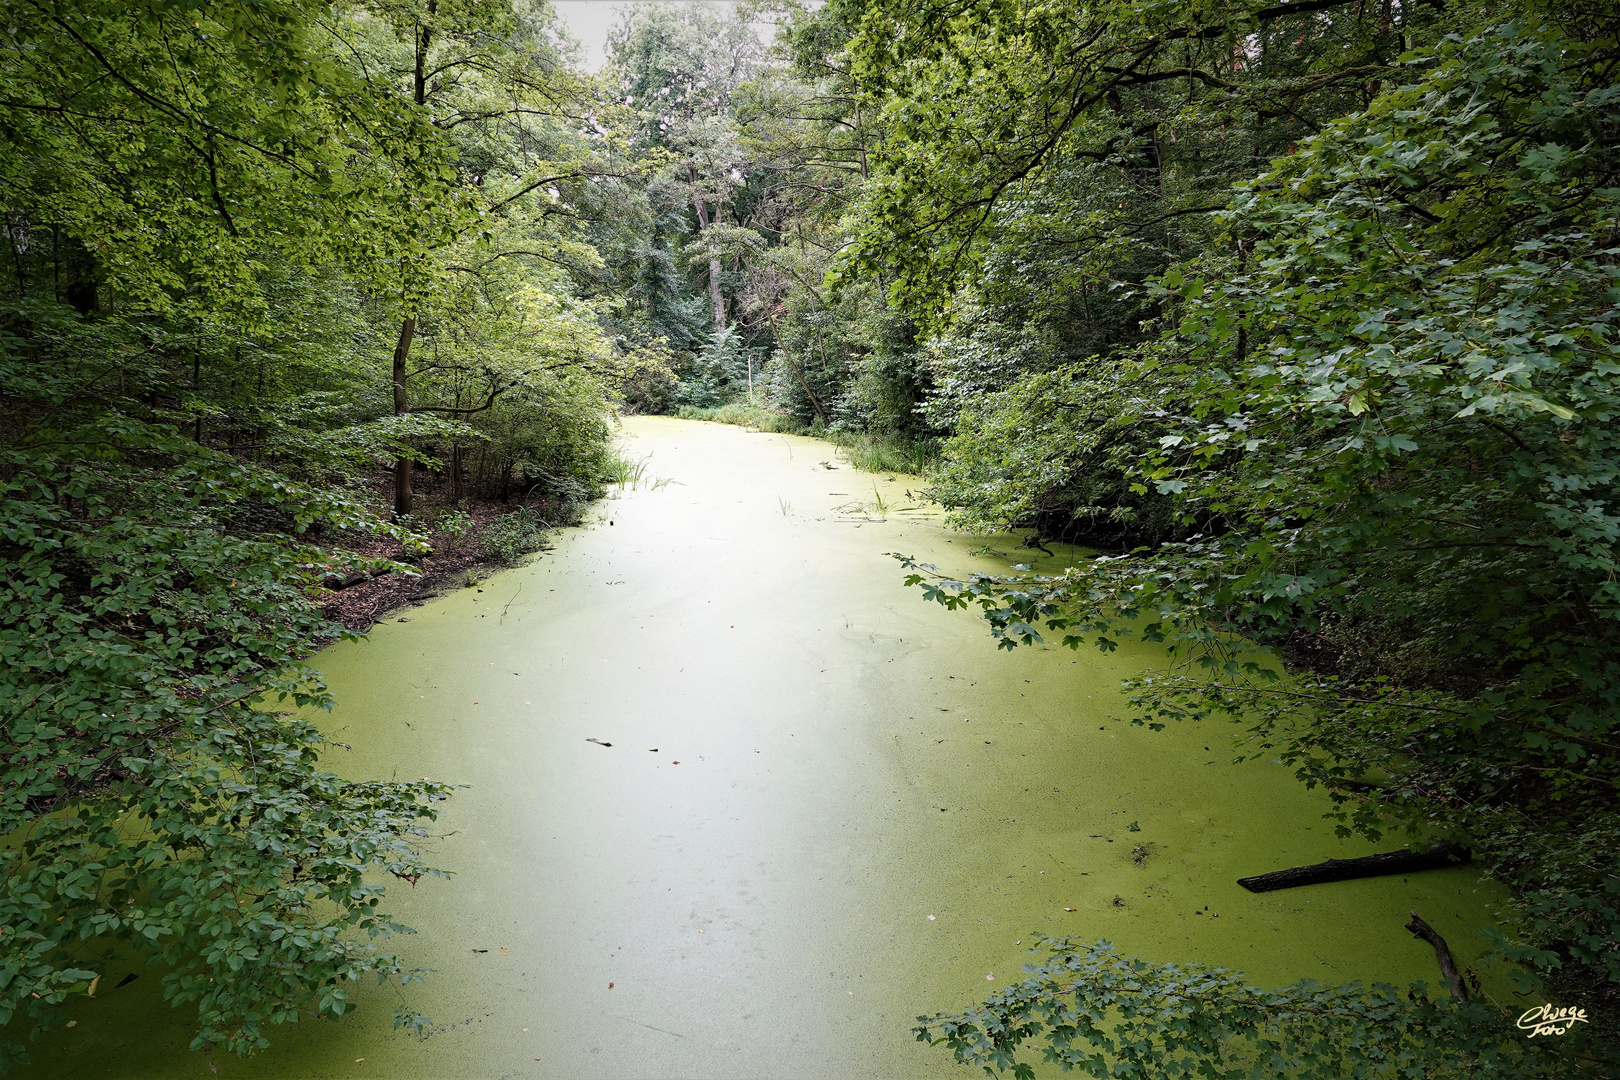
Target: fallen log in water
1442,953
1388,862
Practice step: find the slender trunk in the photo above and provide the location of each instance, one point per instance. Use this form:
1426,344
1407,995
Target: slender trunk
17,255
402,405
1243,324
814,403
196,383
455,458
424,38
717,299
860,138
407,328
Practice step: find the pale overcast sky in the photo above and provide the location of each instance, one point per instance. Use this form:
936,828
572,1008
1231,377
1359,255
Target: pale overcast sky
588,20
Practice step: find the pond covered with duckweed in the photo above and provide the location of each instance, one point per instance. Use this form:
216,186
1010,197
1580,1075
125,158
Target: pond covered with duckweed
815,805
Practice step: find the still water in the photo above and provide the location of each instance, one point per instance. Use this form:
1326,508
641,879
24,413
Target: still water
828,806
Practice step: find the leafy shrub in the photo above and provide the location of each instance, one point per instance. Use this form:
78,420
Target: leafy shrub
514,535
1401,415
154,614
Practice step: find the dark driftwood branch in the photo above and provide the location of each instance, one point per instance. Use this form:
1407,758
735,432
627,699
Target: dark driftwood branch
1388,862
1421,929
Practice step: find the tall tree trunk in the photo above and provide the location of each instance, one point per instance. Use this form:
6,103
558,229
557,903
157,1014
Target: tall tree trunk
717,299
402,405
424,38
407,328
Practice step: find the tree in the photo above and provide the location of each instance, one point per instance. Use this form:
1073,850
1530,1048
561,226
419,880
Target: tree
1365,425
486,79
679,69
212,217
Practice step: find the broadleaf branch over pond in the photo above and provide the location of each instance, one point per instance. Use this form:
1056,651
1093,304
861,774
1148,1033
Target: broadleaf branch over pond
1360,465
1092,1011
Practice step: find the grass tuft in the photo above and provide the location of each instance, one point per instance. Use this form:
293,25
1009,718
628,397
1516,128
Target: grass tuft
628,472
875,453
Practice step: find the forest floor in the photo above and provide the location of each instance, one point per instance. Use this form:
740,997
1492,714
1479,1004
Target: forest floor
455,559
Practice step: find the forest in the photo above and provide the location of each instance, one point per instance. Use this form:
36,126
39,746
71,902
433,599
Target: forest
1297,317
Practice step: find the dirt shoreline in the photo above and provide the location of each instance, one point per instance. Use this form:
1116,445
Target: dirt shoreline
361,606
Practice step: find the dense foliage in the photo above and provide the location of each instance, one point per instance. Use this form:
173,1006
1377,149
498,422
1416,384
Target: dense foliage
1356,410
217,221
1104,1015
763,156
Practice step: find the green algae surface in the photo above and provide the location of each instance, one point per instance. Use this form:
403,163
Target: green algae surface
827,806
